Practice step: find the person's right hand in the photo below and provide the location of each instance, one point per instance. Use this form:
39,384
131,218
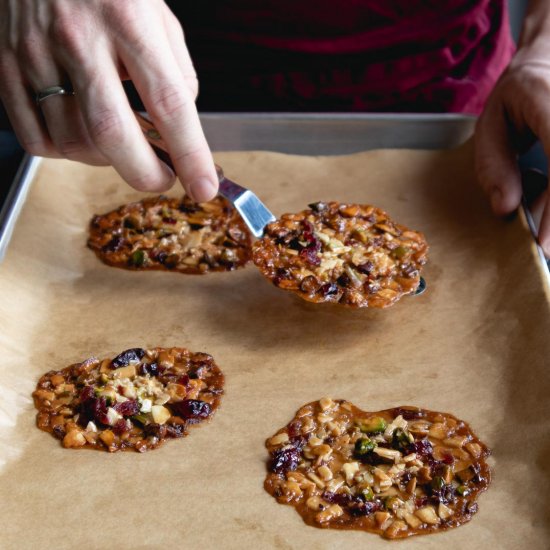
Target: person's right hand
92,45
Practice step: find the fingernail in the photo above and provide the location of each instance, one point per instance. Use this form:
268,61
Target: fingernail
202,190
496,198
545,245
170,174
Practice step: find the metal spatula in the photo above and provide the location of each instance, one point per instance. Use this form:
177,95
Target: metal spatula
252,210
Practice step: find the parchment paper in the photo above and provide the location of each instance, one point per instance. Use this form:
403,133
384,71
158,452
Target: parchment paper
476,344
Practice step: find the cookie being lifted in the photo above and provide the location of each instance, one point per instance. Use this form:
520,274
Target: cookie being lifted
172,234
132,402
350,254
398,472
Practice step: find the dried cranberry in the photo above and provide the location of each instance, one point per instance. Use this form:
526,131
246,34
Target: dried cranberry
284,460
409,270
153,369
127,408
365,268
158,256
59,431
329,289
188,208
313,245
87,393
191,409
343,280
295,429
309,254
295,244
342,499
183,380
93,409
409,413
405,478
441,493
171,261
120,427
471,507
448,459
175,430
299,441
155,430
197,371
423,448
281,275
132,355
421,501
114,244
359,507
169,221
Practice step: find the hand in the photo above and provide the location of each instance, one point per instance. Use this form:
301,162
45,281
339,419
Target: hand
91,45
517,112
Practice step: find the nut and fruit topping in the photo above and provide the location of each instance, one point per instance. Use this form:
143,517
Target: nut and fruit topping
349,254
132,402
172,234
398,472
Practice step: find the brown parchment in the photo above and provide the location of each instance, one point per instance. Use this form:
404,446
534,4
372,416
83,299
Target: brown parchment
476,344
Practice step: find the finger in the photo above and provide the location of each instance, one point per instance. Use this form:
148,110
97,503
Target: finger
68,131
179,49
62,114
22,112
172,109
544,227
496,160
113,127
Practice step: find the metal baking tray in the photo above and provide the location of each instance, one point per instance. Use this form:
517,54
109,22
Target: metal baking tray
300,134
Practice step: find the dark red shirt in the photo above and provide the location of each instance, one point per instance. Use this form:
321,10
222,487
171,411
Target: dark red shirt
352,55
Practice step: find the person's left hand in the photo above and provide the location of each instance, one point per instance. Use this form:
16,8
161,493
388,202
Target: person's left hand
516,114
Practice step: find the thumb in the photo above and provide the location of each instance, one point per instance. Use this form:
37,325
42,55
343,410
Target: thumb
496,160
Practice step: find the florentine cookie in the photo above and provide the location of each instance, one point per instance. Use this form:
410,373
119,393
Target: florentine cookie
350,254
398,472
172,234
132,402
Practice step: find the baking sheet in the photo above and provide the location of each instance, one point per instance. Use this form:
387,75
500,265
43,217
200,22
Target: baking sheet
475,344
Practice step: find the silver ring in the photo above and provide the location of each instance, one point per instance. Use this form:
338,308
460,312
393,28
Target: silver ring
51,91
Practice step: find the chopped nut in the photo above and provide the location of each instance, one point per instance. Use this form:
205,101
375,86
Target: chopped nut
427,515
317,480
322,450
439,431
326,404
474,449
316,503
387,453
292,489
382,519
395,528
125,372
444,512
74,438
456,441
413,521
411,486
279,439
160,414
325,472
57,379
350,469
329,513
